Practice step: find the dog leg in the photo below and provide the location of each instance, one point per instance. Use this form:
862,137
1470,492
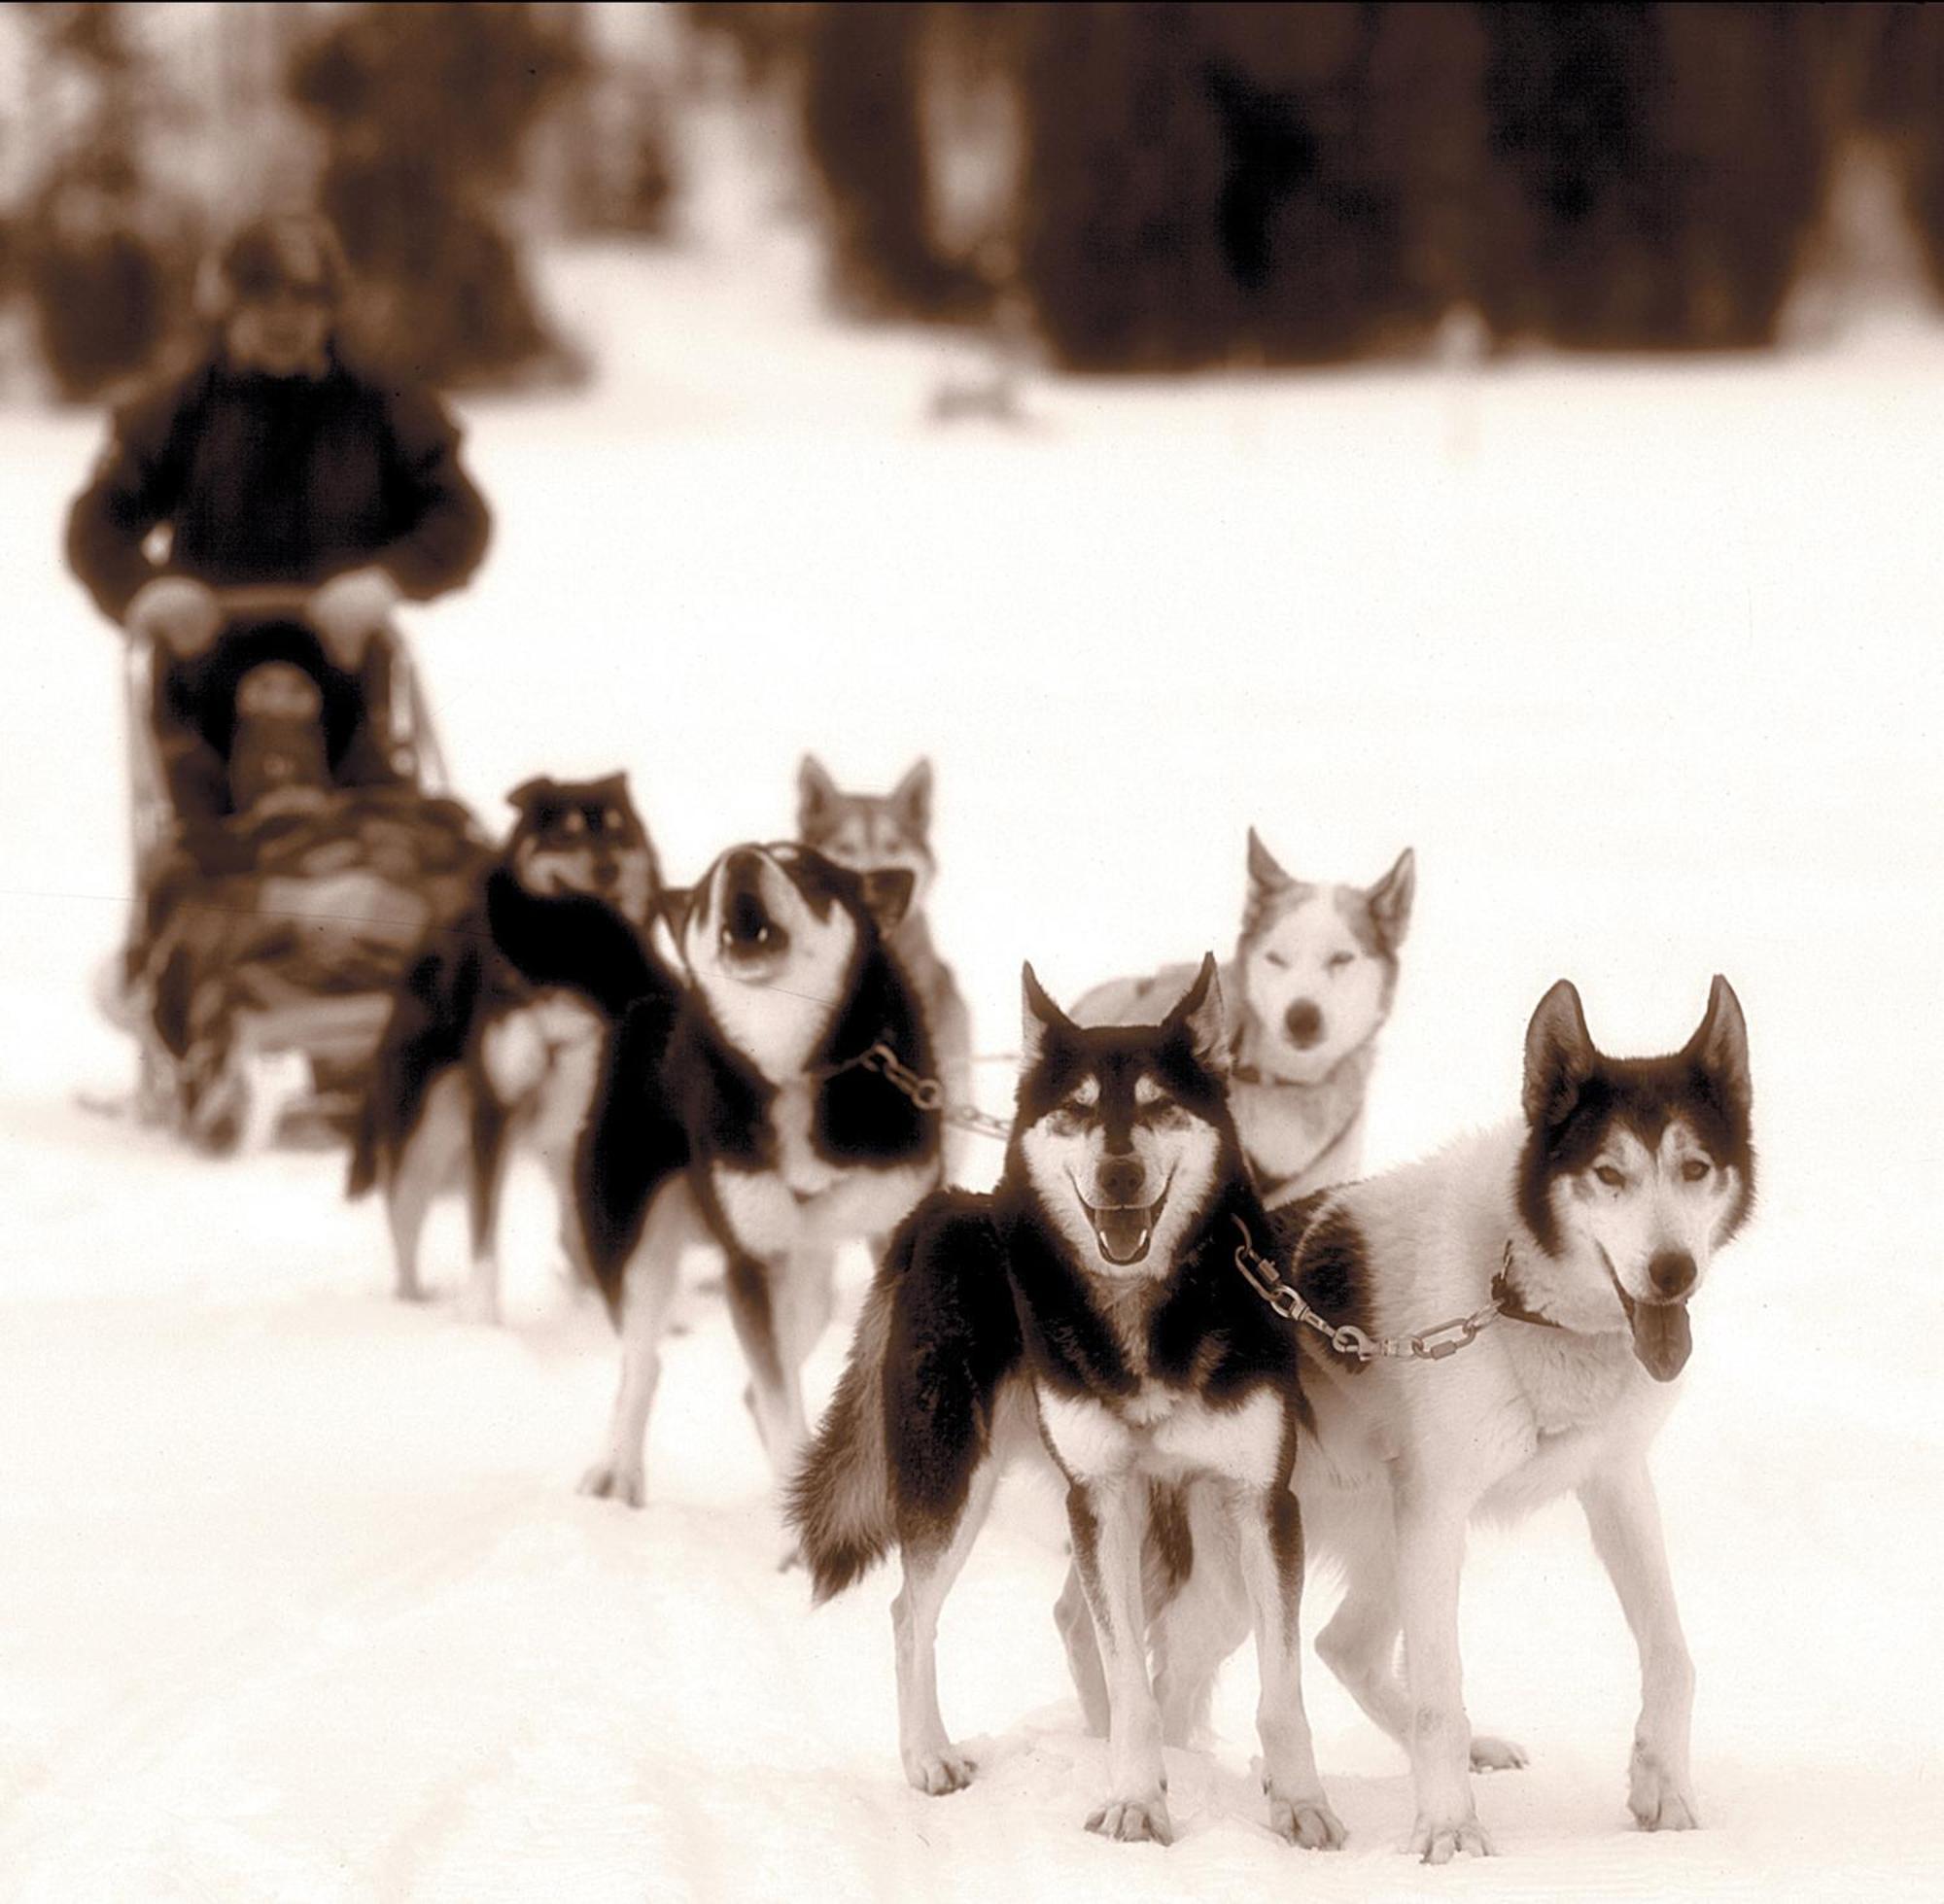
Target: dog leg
648,1289
428,1162
1201,1623
1624,1518
1360,1642
1431,1556
492,1156
752,1287
1107,1518
1268,1533
1074,1619
931,1761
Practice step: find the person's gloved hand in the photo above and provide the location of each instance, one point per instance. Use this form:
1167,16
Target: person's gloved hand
349,609
176,613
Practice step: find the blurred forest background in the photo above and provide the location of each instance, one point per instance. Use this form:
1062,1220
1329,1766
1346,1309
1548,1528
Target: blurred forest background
1114,187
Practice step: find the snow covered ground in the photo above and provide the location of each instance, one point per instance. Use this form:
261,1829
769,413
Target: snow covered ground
295,1599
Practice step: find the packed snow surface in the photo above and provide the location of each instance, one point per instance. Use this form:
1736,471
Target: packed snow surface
297,1600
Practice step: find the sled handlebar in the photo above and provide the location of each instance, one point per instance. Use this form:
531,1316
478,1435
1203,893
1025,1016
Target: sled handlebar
268,599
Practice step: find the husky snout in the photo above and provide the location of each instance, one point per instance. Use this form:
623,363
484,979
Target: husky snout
1303,1024
1119,1181
1672,1273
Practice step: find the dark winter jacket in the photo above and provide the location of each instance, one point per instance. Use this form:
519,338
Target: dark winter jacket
269,480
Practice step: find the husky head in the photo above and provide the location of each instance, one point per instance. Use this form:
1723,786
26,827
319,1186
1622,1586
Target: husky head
1642,1163
774,938
1319,964
1123,1131
585,837
874,833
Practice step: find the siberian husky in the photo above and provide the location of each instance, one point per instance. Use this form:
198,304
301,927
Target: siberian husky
874,833
496,1033
1092,1296
1578,1239
1314,976
759,1114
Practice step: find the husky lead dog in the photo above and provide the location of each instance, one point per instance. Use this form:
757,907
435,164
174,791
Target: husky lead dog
1589,1228
1313,975
1094,1292
876,833
496,1034
755,1114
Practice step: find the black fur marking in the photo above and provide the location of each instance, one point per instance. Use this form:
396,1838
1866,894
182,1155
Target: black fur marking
1284,1516
491,959
1083,1525
1171,1537
1324,1249
1644,1095
911,1418
861,1115
747,1282
635,1140
954,1338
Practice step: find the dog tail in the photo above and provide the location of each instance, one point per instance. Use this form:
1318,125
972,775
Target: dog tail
840,1499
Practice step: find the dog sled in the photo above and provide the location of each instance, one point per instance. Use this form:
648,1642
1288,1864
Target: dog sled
267,943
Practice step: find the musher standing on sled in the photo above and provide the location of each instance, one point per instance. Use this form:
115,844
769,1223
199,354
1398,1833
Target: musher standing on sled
274,462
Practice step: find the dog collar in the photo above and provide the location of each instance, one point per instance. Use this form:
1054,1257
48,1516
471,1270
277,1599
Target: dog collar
1506,1296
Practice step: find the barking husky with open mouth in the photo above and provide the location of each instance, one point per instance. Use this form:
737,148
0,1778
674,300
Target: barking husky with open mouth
757,1114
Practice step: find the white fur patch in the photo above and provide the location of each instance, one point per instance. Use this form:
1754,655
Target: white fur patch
1167,1434
1309,953
776,1011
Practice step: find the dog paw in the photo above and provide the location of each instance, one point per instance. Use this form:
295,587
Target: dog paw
940,1773
1133,1820
1306,1821
1439,1840
608,1482
1657,1799
1489,1754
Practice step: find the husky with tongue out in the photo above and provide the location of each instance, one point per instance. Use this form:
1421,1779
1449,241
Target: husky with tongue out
1582,1232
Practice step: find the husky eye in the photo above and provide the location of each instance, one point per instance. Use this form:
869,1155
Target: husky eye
1276,959
1336,961
1694,1169
1609,1176
1163,1115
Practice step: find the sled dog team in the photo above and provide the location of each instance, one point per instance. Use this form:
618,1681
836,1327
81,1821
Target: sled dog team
1235,1351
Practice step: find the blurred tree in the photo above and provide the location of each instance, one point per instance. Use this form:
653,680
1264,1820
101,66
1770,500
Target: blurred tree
425,109
104,253
863,133
1669,163
1902,100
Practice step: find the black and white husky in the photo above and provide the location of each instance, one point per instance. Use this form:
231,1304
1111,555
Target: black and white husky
756,1113
1309,989
496,1034
1092,1296
1584,1231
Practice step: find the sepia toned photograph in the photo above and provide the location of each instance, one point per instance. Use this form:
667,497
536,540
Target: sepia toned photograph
971,949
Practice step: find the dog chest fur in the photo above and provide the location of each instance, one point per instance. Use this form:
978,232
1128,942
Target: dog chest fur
1166,1433
806,1197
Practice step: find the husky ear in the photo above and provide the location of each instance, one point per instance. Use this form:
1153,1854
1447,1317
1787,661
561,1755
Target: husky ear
1199,1015
1038,1016
911,800
1266,876
1389,900
529,793
887,894
1559,1056
1719,1045
816,794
